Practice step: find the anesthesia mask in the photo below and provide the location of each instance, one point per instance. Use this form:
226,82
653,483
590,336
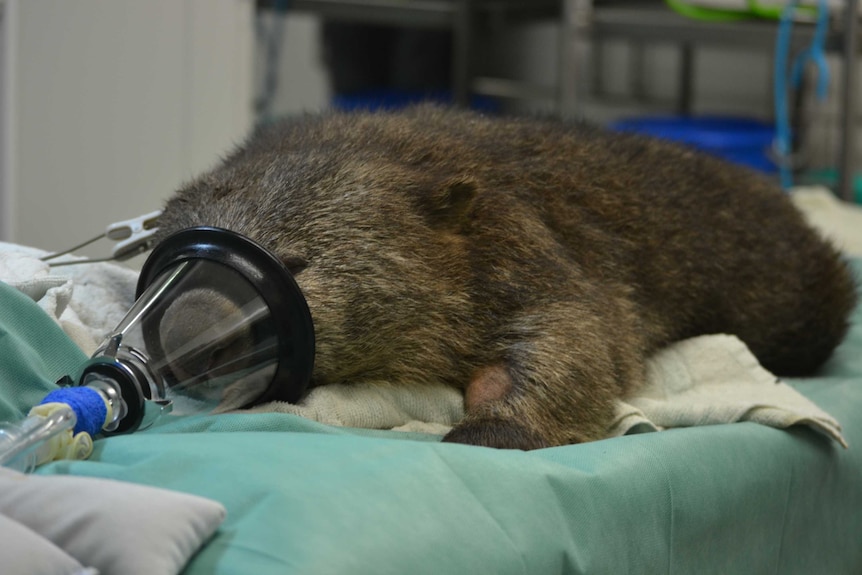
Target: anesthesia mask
219,323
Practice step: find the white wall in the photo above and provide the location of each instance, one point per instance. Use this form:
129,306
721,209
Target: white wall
109,105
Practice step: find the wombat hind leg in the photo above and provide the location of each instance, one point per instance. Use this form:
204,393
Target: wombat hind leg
554,376
489,385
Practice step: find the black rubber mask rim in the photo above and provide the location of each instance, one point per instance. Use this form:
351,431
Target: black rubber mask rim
273,282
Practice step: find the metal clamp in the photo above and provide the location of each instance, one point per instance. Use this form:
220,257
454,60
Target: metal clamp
133,237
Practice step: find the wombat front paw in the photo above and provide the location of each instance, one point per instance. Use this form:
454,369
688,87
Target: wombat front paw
497,433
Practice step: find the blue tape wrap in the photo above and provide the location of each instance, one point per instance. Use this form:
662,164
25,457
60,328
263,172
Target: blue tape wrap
87,403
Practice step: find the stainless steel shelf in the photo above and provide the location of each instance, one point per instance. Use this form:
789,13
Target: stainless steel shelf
658,23
423,13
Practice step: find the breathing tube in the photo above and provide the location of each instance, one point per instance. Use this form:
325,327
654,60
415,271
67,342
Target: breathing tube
815,54
219,323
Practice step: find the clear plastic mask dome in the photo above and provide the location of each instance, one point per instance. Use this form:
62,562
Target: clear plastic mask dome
202,336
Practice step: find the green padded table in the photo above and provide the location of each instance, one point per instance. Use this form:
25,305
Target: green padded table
307,498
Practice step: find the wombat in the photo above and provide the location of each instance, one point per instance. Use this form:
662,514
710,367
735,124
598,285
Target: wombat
534,264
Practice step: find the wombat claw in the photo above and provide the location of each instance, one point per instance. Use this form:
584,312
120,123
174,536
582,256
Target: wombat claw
497,433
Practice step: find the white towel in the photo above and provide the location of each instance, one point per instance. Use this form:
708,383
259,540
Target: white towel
838,221
715,379
422,408
701,381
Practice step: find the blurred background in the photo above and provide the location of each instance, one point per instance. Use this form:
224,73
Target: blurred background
108,106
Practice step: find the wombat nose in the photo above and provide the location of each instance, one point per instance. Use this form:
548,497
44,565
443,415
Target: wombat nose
191,352
199,365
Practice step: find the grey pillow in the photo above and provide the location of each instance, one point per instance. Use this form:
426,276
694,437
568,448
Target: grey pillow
113,526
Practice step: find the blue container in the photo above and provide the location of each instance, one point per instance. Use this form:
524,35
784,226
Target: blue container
739,140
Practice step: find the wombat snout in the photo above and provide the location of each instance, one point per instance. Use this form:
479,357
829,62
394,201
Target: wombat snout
205,335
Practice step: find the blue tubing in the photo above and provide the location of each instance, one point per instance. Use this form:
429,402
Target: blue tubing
87,403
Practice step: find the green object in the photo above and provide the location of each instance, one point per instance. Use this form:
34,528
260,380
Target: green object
754,9
708,14
34,353
772,11
303,497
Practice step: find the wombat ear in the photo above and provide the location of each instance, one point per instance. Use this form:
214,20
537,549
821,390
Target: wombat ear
448,206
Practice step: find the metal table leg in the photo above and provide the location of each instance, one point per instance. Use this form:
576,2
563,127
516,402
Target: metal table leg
575,26
848,102
685,101
462,31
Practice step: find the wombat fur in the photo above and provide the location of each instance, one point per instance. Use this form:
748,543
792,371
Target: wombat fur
534,264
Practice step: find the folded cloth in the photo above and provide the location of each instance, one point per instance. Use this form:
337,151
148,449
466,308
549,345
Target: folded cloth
425,408
87,300
715,379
